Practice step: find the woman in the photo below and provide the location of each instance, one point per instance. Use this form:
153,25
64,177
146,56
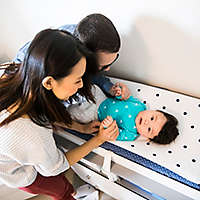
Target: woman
31,98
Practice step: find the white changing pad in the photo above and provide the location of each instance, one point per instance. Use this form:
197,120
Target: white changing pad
183,155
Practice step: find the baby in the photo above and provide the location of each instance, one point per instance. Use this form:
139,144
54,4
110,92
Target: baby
131,117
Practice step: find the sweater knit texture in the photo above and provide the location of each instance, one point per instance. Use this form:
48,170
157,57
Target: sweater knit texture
27,149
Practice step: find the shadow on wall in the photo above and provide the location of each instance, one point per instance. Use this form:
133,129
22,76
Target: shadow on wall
4,58
159,53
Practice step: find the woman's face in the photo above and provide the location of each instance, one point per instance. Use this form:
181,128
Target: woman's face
67,86
150,122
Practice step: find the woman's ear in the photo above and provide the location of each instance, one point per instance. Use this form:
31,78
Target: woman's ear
47,82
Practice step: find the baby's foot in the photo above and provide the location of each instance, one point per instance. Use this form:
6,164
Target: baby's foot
107,122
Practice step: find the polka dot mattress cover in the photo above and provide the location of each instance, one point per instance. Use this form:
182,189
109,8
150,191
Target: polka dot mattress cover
179,160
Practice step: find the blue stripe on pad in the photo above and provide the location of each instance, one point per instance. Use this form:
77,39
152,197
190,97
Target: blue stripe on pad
139,160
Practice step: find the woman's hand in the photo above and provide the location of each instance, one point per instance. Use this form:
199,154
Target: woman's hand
108,134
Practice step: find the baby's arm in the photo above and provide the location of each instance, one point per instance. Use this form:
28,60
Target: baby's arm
126,135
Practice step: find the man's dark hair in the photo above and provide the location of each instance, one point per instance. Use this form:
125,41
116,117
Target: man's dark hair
98,33
169,132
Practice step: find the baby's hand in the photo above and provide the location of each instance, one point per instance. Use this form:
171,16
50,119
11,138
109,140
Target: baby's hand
108,134
107,122
116,90
124,91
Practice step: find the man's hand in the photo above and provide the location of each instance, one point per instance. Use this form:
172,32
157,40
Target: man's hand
120,89
115,90
91,127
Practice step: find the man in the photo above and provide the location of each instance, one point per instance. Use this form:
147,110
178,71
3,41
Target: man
100,36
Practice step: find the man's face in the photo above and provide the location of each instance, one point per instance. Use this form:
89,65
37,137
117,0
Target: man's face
105,59
150,122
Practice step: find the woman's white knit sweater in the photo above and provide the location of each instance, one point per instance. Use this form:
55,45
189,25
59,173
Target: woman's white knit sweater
25,149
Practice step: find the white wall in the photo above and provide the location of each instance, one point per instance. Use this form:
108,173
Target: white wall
160,39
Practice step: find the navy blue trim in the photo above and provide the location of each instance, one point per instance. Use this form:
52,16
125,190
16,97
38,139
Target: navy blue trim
140,160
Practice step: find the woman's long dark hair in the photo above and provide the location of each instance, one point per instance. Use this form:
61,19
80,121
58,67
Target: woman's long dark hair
51,53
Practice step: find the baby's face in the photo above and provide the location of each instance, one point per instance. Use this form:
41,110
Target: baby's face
150,122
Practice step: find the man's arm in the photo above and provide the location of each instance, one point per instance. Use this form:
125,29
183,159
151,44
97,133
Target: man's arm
118,89
89,128
68,27
22,51
103,82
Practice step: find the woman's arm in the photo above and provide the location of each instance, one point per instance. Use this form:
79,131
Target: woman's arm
109,134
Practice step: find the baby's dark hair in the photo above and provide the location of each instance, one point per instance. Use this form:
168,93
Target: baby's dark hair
169,132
